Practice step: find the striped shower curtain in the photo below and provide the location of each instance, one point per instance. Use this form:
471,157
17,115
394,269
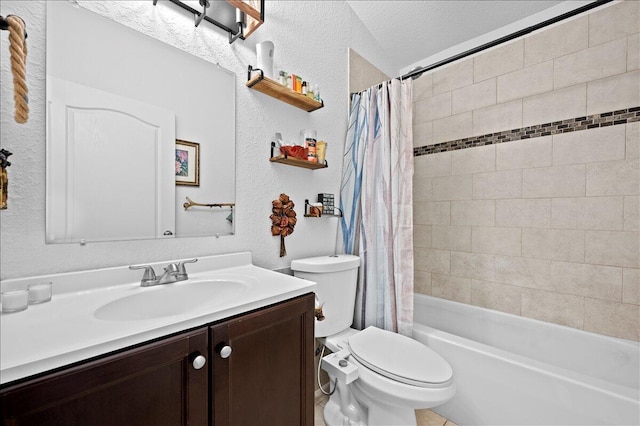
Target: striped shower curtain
376,198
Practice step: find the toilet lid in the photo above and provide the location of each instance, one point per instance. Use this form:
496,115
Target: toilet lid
399,358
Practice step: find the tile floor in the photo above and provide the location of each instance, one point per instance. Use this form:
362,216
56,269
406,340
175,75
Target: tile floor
424,417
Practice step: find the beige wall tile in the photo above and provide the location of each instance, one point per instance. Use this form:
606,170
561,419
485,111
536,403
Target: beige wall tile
422,190
557,308
601,144
490,240
498,118
429,260
472,265
613,178
451,288
432,108
633,52
633,140
422,134
451,238
524,154
528,81
594,213
510,226
500,60
422,282
631,286
431,212
553,106
473,160
431,165
613,22
522,213
500,297
422,87
590,64
452,128
454,76
557,181
613,93
553,244
363,74
497,185
455,187
599,282
612,248
475,96
522,272
631,213
552,42
422,236
473,212
612,318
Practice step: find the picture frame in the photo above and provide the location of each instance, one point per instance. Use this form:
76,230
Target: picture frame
187,163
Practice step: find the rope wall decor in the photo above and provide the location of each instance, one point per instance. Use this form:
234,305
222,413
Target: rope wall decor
18,50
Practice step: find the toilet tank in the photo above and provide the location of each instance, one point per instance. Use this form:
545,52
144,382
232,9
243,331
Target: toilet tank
337,279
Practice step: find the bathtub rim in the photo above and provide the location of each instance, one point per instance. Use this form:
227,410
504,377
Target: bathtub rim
628,393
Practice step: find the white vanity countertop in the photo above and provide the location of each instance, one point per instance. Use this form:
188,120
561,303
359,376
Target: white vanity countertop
65,330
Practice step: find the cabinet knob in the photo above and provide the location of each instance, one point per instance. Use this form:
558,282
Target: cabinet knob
225,351
199,362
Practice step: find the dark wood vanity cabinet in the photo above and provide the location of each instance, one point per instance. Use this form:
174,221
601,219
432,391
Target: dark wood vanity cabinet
155,384
267,379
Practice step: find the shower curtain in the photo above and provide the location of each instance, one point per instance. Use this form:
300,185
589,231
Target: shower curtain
376,198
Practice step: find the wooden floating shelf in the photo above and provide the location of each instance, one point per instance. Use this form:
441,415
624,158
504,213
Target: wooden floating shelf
276,90
297,162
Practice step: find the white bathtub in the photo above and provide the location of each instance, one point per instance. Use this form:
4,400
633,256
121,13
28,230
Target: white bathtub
511,370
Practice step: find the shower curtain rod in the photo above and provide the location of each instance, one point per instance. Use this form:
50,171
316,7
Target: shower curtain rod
419,71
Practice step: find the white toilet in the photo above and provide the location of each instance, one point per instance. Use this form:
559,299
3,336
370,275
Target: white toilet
380,377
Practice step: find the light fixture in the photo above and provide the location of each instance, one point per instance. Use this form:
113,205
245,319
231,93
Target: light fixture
239,18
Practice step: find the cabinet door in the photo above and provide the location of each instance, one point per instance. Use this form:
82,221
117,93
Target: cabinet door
155,384
268,377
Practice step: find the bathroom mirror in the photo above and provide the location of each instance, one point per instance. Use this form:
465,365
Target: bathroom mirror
135,129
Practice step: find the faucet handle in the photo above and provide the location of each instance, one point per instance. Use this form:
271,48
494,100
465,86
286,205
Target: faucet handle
149,273
181,269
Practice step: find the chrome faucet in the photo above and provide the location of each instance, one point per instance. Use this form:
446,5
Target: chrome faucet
172,273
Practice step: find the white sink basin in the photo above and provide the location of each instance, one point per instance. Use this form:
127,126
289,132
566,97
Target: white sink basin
171,299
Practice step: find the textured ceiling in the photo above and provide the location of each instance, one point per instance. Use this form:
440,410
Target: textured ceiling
410,31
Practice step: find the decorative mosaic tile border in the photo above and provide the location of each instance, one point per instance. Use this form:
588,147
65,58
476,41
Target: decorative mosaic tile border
604,119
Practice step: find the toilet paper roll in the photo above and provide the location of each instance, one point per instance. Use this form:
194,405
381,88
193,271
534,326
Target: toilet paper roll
264,52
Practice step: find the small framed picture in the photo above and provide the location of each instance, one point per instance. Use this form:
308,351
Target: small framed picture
187,163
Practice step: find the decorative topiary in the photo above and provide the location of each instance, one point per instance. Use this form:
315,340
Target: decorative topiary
283,220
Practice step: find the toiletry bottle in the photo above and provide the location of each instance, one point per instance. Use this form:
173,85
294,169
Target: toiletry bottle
282,78
316,92
310,94
298,84
304,88
310,144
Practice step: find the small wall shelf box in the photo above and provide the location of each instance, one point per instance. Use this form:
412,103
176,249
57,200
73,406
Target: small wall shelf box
276,90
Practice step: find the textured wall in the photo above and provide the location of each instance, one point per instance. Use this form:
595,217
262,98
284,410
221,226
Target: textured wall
543,225
299,30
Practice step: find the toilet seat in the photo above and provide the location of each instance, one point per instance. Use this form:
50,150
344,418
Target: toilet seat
400,358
